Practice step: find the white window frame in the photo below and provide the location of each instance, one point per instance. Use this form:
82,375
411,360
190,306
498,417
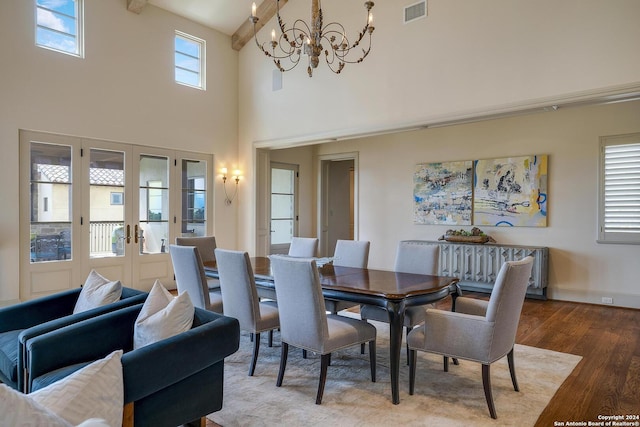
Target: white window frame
202,44
613,149
79,37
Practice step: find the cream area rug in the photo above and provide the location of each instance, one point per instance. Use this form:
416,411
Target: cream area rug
454,398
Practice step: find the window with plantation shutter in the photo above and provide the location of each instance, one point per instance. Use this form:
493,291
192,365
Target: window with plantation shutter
619,216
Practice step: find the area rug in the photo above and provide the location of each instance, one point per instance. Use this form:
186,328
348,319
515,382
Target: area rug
454,398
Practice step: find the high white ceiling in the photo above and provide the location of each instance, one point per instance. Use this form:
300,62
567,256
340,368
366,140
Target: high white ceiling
223,15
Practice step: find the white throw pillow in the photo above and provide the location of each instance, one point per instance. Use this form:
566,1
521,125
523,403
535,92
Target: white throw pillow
162,316
97,291
92,397
18,409
95,391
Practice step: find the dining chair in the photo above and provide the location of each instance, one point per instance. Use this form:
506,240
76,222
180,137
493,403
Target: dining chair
478,331
348,253
303,247
411,257
240,298
206,247
190,277
304,322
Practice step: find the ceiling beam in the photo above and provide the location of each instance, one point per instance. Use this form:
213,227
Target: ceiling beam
244,33
136,6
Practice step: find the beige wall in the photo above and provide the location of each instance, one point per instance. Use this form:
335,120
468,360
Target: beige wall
122,91
580,268
465,60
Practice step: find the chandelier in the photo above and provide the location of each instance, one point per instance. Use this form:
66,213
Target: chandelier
301,39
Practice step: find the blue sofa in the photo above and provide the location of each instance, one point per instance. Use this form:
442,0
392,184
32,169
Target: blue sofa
171,382
23,321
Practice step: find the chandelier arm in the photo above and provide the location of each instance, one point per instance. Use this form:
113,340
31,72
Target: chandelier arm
342,50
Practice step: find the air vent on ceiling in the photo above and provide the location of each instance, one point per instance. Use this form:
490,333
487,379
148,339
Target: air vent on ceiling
415,11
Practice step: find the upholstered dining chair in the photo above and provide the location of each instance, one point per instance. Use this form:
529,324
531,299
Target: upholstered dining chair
348,253
478,331
411,257
304,322
206,246
303,247
240,298
190,277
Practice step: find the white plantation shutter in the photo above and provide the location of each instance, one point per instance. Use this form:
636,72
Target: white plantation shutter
620,189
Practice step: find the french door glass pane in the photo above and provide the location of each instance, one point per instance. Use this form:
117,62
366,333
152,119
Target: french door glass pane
50,202
154,204
194,198
282,206
106,206
281,231
282,181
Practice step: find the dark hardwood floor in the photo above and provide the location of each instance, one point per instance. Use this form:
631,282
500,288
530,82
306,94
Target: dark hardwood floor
607,379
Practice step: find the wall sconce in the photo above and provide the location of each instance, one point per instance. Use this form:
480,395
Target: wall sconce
236,178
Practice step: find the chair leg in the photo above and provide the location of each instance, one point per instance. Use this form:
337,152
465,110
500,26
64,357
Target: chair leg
324,364
256,349
407,339
372,359
446,363
512,370
304,354
271,338
362,348
284,352
486,382
413,360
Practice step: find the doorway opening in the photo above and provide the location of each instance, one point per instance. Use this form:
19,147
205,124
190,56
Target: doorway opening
338,207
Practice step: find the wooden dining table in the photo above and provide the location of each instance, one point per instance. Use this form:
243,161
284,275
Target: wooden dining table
387,289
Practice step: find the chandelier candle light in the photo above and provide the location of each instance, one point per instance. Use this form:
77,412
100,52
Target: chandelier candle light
302,39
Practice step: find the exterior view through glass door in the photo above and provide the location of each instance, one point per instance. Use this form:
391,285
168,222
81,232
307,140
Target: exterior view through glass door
284,210
107,206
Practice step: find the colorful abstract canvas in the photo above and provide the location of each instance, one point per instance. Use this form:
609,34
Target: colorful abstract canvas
442,193
511,191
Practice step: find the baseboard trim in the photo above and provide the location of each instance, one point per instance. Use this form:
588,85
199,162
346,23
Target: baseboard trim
594,297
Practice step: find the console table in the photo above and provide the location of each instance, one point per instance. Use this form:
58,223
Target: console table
477,265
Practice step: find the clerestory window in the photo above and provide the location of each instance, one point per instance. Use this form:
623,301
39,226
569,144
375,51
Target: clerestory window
190,60
59,26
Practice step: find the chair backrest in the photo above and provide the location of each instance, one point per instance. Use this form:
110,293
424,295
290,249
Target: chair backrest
190,277
505,303
303,247
206,246
238,287
417,258
303,319
351,253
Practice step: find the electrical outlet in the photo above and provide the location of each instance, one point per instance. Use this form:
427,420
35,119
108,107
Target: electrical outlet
607,300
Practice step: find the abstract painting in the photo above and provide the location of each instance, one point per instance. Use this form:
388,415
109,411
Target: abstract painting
511,191
442,193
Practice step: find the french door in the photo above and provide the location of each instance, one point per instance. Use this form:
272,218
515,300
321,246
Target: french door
106,206
284,206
